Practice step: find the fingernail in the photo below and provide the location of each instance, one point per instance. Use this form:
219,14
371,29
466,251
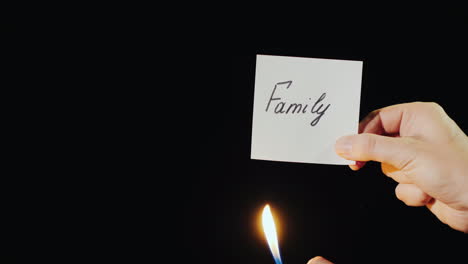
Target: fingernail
344,146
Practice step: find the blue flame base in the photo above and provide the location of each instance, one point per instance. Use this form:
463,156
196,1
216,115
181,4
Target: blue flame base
278,261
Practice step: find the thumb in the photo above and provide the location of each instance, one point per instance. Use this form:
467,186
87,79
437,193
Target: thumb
397,152
319,260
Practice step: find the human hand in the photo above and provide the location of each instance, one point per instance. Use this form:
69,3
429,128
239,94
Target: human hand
422,149
319,260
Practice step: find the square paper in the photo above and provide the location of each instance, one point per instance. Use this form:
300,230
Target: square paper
302,106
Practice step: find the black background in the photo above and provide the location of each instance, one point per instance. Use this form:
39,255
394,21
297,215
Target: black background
346,216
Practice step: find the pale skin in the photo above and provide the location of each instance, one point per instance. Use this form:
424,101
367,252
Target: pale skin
423,149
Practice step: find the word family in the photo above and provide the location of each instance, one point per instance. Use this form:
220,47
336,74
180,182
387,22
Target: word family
284,107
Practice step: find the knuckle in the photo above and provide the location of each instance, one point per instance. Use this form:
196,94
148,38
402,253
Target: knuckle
431,106
365,145
436,107
411,150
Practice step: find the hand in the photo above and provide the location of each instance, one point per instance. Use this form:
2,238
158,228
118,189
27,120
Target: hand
420,147
319,260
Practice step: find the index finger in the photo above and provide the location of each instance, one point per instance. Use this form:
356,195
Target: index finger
383,121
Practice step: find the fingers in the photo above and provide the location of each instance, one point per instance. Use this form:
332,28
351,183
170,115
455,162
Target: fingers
397,152
456,219
417,119
319,260
411,195
381,122
384,121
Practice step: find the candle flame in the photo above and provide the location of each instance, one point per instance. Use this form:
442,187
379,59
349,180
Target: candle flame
270,233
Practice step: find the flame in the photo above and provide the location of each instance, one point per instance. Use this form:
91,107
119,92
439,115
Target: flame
270,233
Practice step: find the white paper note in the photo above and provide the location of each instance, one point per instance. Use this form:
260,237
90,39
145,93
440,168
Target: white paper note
302,106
